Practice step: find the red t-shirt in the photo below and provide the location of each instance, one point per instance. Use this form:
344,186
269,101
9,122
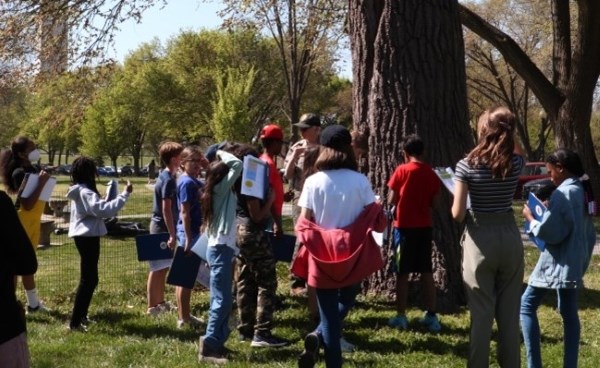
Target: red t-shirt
416,185
276,184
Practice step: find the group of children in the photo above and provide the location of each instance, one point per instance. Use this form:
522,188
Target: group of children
335,211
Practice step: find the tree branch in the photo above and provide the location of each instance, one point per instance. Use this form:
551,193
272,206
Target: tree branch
548,95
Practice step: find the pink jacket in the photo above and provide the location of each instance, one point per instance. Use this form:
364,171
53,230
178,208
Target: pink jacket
336,258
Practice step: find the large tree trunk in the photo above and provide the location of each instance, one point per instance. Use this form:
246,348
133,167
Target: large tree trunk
409,77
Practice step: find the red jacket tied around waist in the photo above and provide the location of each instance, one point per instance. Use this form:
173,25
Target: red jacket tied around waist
336,258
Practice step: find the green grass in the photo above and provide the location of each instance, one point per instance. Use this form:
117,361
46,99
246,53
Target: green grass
124,336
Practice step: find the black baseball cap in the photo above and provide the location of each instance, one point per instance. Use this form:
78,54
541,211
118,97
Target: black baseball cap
309,120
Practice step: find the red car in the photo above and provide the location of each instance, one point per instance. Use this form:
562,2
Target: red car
531,171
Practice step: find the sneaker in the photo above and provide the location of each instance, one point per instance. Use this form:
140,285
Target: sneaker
346,346
160,308
267,341
80,328
193,322
309,356
210,355
431,322
87,321
399,322
40,308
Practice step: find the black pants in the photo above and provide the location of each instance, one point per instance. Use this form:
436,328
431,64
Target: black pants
89,251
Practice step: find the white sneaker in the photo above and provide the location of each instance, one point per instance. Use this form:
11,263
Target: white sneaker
193,322
161,308
346,346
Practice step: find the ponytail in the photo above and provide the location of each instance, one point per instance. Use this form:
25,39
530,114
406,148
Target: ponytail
591,205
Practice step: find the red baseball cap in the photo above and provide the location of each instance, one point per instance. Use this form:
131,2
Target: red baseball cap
271,131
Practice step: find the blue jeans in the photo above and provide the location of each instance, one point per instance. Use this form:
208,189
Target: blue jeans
567,305
221,299
334,305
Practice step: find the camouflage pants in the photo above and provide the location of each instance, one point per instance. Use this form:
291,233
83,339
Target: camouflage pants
256,281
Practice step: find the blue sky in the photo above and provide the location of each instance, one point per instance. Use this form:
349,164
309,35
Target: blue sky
176,16
165,23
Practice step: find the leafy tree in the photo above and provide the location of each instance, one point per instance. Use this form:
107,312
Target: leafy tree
13,111
304,32
231,112
57,108
409,77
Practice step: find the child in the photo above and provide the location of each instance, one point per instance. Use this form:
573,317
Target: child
218,204
337,216
492,246
567,229
165,215
15,164
86,226
413,188
256,278
190,221
17,257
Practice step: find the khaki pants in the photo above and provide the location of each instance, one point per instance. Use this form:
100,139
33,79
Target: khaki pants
493,276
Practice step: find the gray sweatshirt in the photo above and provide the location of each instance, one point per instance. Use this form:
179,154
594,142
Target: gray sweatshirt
88,211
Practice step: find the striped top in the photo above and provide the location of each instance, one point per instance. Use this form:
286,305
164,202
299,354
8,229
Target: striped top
489,194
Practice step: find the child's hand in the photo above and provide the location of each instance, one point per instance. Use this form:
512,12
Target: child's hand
527,212
129,187
43,177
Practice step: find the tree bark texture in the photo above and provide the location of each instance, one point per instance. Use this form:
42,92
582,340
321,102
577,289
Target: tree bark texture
409,77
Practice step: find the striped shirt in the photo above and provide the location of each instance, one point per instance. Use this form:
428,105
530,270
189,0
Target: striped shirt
489,194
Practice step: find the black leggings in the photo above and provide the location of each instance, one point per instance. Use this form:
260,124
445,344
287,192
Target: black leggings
89,250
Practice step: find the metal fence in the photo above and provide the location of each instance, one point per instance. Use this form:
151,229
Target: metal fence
58,258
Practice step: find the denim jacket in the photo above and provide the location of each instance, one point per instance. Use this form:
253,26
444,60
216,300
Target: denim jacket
569,234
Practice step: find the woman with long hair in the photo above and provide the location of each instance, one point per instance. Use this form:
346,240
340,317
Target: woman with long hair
15,164
218,206
492,247
86,226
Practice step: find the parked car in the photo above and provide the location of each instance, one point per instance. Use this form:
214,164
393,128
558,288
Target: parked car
534,186
63,170
127,170
531,171
106,171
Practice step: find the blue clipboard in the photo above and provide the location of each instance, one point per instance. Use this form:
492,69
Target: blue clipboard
184,269
283,246
151,247
538,209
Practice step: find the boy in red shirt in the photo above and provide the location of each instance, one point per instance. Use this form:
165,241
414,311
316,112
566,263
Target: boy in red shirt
272,140
413,188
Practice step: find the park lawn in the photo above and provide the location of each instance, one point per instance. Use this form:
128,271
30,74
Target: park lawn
123,336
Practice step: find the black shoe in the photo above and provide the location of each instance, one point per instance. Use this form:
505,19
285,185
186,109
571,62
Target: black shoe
210,355
268,341
308,358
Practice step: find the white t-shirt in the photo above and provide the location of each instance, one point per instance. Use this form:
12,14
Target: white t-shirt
336,197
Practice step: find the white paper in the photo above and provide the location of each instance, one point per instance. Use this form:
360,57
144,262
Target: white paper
254,177
201,246
32,183
446,175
